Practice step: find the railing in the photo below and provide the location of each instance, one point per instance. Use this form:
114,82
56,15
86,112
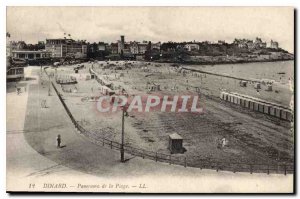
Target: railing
197,162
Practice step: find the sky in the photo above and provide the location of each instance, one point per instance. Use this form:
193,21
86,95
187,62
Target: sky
94,24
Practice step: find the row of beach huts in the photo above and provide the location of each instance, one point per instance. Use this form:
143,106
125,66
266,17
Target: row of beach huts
258,105
65,79
106,86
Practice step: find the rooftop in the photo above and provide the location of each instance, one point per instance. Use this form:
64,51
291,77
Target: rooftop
30,51
175,136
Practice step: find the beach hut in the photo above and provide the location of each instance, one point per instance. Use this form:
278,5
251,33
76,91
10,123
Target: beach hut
260,107
221,95
239,100
246,101
242,101
266,108
235,99
243,83
289,116
105,90
231,98
272,111
269,87
283,114
257,86
154,87
251,105
255,106
175,143
277,112
226,96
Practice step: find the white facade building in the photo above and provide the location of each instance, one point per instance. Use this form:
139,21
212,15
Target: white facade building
192,47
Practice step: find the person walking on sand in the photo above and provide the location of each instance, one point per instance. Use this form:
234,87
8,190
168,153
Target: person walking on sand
58,141
18,90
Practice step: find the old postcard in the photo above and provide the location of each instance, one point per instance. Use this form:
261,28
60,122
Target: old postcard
150,99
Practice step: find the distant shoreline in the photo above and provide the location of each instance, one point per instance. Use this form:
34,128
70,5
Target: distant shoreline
223,62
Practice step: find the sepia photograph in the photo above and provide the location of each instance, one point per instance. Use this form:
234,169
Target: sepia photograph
150,99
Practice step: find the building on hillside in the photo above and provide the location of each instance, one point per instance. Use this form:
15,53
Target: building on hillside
97,47
101,46
112,48
137,48
221,42
143,47
134,47
242,45
250,44
61,48
263,45
259,44
274,44
192,47
156,46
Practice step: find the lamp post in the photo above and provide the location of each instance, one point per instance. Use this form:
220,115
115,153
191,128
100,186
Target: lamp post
49,91
122,136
